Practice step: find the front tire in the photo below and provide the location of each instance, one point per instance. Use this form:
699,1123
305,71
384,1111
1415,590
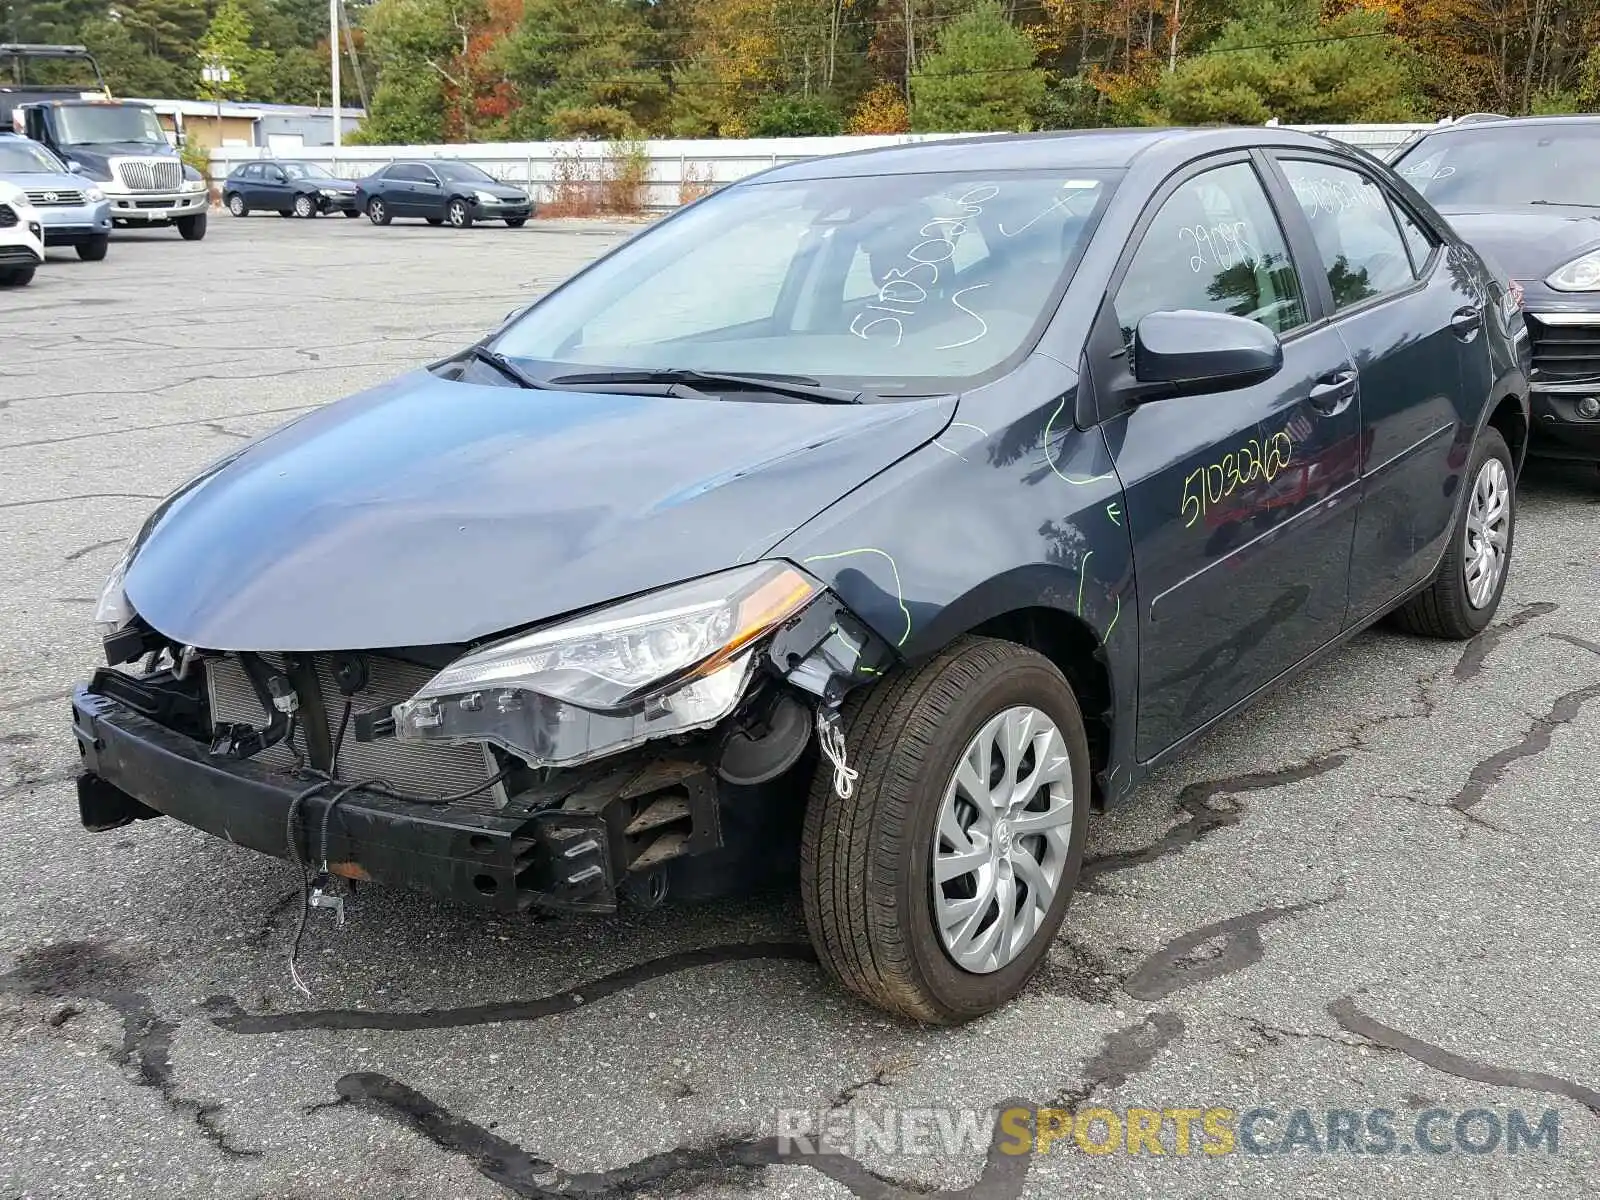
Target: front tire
378,212
459,215
935,890
1466,589
516,222
16,276
94,249
191,229
304,207
237,206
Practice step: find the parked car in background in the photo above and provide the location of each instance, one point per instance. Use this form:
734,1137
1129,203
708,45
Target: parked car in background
289,188
73,210
21,237
441,192
858,519
1526,192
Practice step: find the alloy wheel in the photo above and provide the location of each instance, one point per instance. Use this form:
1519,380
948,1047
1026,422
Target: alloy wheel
458,213
302,206
1488,533
236,205
1002,839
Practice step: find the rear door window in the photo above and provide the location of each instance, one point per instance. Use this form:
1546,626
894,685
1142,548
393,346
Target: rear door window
1362,250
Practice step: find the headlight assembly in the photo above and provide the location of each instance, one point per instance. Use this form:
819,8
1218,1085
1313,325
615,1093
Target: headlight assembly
1579,275
93,195
673,661
487,198
112,612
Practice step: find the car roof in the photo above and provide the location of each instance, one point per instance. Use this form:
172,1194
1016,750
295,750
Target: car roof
1081,149
1487,121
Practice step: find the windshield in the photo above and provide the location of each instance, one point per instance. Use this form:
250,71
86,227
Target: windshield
465,172
298,170
18,158
1507,167
88,124
882,283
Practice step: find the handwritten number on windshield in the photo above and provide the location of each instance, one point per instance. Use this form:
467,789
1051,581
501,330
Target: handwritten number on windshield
901,290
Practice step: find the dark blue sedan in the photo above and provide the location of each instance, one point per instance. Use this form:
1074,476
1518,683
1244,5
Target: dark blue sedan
872,519
288,188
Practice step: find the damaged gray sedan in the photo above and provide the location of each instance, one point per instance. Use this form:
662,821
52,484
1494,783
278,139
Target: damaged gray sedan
866,521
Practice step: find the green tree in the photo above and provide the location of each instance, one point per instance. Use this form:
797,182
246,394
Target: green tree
226,48
981,76
795,116
417,46
582,68
1281,60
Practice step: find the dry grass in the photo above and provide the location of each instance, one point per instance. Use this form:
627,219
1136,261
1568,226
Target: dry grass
696,182
614,184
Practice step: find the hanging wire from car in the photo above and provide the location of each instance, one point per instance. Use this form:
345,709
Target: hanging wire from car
830,738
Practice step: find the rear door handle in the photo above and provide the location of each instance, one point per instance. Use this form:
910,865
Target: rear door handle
1466,323
1332,393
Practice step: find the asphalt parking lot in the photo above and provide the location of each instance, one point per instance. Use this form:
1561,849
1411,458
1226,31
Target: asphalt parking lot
1377,891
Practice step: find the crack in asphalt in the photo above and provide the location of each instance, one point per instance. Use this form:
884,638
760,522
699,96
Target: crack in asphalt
79,496
30,701
1205,818
1480,647
74,555
232,1017
89,971
737,1161
1487,773
1123,1054
1175,965
1353,1020
100,433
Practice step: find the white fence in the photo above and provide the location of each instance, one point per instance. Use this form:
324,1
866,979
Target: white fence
673,164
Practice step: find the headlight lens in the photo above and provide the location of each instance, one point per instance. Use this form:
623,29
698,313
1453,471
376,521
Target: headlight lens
1579,275
487,198
94,195
670,662
113,611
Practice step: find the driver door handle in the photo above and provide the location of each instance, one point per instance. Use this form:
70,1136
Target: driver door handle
1332,393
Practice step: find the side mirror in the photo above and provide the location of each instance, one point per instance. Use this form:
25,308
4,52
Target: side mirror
74,166
1185,352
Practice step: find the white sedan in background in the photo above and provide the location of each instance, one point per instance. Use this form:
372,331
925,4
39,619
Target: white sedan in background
21,237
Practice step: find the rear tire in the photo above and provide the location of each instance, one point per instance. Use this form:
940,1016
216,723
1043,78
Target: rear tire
16,276
378,212
1447,609
95,248
867,875
191,229
350,212
434,220
237,206
516,222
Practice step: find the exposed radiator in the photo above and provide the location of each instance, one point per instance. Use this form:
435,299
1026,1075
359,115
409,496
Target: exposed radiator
426,770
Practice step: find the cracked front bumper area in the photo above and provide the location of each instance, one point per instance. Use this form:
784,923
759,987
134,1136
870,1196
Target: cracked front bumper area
572,841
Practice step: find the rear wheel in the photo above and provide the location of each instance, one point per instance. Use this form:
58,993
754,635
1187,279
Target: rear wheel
305,206
16,276
378,212
237,206
936,888
458,214
516,222
191,229
350,212
434,220
94,249
1466,590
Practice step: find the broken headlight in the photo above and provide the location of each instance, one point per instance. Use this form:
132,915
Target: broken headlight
112,611
669,662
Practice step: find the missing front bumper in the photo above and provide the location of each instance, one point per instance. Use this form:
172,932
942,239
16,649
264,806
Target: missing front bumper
571,843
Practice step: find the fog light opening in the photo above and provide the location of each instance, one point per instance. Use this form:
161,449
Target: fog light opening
487,885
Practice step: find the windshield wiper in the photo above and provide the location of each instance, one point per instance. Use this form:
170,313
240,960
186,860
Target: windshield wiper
799,386
506,367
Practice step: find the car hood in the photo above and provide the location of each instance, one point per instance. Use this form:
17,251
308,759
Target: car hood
1528,243
46,181
504,191
428,511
